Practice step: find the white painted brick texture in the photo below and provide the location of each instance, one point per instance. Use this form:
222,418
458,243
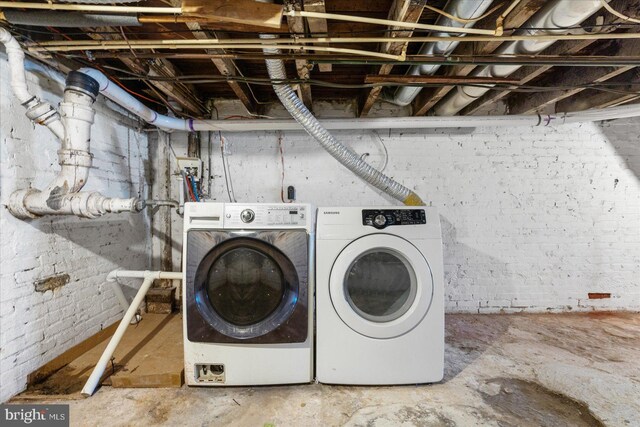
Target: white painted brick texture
533,218
36,327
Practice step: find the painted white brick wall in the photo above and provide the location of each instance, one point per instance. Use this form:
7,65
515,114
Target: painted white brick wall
36,327
533,218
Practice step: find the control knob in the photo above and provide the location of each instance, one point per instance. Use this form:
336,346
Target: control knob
380,220
247,215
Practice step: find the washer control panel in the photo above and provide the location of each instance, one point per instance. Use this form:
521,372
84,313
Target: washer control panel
381,218
255,216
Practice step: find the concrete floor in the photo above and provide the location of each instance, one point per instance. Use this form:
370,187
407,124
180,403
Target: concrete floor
501,370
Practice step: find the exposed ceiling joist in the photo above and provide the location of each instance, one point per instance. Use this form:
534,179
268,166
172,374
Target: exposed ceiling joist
183,94
599,99
519,104
317,25
518,16
527,74
303,67
401,10
226,67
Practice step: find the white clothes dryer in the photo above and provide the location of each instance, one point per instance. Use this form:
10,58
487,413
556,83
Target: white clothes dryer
379,296
248,293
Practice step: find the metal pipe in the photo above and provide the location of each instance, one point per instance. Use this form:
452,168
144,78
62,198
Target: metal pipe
461,8
385,22
67,19
149,277
72,48
555,14
89,7
295,43
455,60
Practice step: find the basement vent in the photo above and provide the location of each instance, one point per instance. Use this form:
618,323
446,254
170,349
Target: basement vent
599,295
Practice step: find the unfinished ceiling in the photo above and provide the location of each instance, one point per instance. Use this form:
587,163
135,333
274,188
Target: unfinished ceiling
586,63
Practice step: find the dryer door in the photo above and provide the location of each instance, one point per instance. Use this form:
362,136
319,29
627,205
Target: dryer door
381,286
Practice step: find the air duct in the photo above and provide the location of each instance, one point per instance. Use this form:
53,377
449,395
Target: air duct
467,9
555,14
68,19
347,157
73,128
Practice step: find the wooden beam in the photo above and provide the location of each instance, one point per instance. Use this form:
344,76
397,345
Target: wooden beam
225,66
317,25
182,93
599,99
427,98
531,102
437,79
401,10
303,67
529,73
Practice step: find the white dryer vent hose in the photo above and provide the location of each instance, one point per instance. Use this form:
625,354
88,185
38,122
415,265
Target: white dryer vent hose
339,151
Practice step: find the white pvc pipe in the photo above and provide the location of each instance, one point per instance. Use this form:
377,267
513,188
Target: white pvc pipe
121,97
130,103
40,112
149,277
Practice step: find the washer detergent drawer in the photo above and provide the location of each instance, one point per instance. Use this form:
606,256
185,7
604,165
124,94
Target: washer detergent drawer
247,286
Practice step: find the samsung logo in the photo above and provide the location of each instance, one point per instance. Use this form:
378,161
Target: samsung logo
331,212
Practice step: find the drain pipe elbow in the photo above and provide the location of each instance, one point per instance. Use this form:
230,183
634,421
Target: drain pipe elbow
63,196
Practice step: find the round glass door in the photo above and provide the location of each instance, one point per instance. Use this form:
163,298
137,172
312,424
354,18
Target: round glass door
381,286
246,287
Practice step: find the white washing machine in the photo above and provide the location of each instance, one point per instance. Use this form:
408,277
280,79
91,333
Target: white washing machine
248,293
379,296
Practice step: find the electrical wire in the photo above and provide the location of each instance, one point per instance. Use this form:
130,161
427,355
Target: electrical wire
195,188
282,172
386,152
618,14
195,79
19,28
464,20
227,175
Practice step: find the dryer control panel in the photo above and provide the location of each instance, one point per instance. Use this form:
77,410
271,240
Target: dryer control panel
381,218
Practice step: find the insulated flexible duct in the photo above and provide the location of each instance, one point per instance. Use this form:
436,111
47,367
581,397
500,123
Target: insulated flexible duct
340,152
68,19
468,9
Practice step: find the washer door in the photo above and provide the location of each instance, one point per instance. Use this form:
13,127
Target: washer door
381,286
246,288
